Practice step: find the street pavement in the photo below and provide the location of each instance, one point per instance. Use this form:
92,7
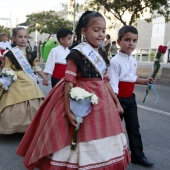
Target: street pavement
150,64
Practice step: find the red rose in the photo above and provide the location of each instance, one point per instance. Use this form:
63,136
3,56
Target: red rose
162,49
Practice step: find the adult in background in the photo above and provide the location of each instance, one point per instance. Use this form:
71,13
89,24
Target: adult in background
39,50
113,49
107,44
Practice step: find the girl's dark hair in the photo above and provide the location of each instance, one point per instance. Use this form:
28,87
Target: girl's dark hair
30,55
84,21
125,29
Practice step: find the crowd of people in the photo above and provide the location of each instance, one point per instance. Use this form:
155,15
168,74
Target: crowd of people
94,65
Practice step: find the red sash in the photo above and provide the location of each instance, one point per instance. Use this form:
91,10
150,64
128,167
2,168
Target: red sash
126,89
2,60
2,51
59,71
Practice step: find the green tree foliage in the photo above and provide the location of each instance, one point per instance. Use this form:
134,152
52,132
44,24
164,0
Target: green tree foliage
77,7
119,9
46,22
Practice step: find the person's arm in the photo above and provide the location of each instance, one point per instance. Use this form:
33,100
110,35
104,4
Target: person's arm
70,80
143,81
71,117
41,74
49,65
114,97
51,60
46,76
38,70
9,45
113,73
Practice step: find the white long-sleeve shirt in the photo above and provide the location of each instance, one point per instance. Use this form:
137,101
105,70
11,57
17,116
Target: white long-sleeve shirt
5,45
57,55
122,68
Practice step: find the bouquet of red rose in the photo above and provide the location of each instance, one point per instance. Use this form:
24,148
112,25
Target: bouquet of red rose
156,67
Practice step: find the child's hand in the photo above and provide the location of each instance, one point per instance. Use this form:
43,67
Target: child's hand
45,82
150,80
119,109
72,119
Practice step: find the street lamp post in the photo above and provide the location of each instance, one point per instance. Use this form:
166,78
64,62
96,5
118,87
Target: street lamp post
74,18
10,25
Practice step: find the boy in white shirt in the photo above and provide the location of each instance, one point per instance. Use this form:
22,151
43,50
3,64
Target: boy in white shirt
4,44
122,73
56,63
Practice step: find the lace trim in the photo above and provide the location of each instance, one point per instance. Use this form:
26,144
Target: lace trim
88,166
70,72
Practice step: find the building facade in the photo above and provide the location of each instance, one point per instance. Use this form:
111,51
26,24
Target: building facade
151,35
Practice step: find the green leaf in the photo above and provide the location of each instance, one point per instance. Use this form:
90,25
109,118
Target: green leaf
117,10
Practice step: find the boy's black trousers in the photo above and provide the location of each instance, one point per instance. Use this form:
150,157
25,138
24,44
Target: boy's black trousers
130,117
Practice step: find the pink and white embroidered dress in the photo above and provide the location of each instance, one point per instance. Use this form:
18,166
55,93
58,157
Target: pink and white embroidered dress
102,144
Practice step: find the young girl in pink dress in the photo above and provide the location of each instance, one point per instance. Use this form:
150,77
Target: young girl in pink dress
101,142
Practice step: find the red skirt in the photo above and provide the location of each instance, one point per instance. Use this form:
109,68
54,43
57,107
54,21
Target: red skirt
51,131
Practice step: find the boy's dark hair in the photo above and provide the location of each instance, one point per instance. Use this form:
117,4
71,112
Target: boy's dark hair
125,29
113,42
62,33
